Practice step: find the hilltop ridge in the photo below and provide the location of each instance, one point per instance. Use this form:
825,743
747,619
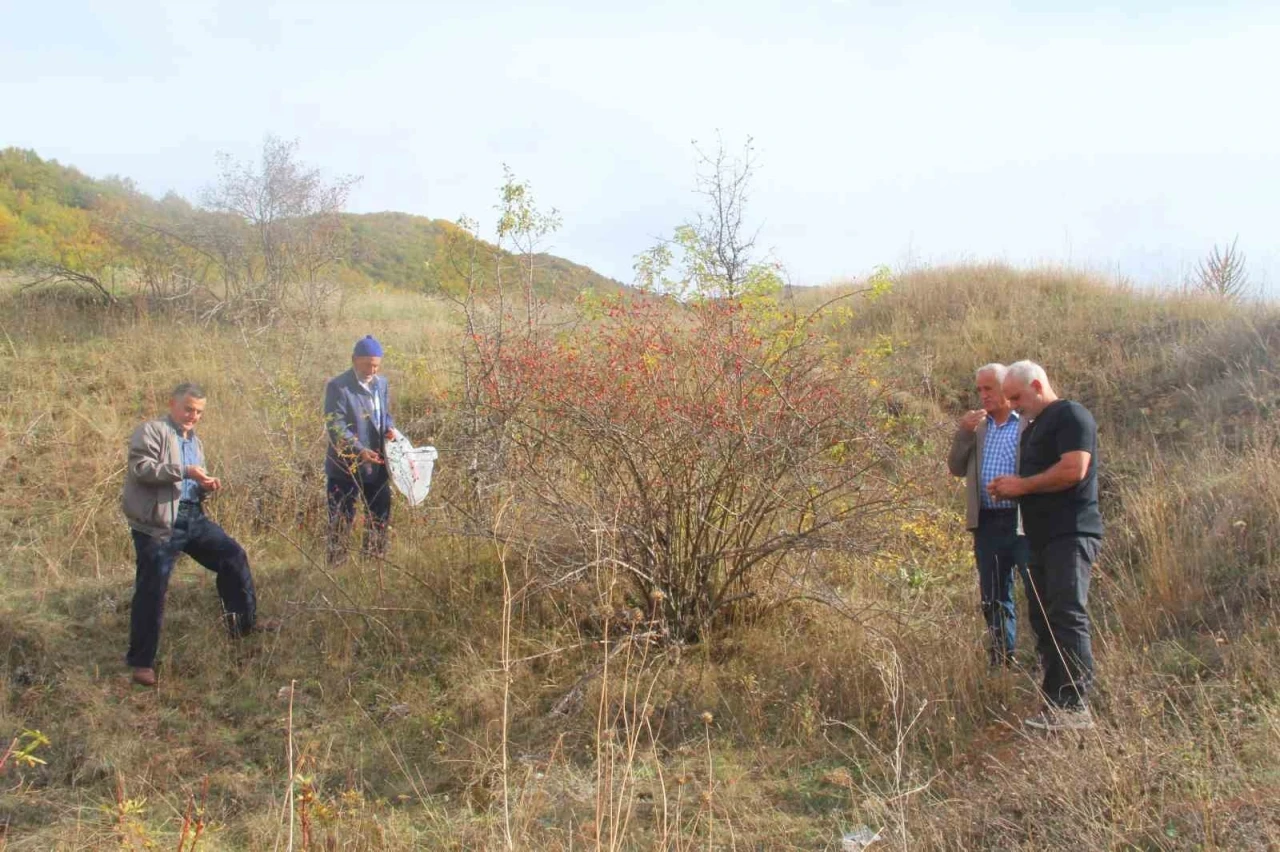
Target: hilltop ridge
52,213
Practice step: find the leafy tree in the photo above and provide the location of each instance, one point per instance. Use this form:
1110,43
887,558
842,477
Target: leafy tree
52,222
714,255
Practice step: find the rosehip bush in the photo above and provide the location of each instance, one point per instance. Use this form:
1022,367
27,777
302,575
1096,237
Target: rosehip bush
718,445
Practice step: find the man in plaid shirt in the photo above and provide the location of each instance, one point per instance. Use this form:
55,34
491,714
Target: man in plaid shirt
985,447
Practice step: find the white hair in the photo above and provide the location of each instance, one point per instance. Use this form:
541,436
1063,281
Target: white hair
1027,372
996,369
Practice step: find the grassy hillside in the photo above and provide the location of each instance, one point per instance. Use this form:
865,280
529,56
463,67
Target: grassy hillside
410,252
53,214
1151,366
386,693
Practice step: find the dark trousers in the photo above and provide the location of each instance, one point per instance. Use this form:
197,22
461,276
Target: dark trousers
204,541
999,552
373,492
1059,599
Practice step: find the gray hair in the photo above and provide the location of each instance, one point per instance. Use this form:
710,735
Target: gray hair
1027,372
187,389
996,369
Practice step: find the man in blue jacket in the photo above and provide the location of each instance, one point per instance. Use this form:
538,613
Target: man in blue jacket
358,413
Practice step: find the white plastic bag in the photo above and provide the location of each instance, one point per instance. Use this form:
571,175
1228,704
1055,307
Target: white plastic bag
410,468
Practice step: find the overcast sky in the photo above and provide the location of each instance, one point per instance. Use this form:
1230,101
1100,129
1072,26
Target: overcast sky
1126,138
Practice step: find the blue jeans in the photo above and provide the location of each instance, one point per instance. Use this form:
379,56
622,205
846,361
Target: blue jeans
998,550
204,541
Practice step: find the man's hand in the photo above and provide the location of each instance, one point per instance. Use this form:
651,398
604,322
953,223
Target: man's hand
969,422
1007,487
369,457
202,478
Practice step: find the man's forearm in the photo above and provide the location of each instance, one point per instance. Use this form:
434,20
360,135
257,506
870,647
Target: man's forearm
1063,475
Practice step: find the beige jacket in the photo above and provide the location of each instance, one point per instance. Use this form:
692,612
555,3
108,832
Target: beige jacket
153,478
965,459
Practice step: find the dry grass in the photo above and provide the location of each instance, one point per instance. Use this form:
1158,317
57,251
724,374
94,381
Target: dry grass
1151,365
820,720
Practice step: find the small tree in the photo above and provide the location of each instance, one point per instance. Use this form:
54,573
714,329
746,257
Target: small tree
262,244
523,226
276,230
491,284
1223,273
715,254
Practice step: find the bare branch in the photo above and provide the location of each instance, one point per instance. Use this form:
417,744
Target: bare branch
1223,273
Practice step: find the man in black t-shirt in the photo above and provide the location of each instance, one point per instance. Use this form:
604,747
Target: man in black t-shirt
1057,492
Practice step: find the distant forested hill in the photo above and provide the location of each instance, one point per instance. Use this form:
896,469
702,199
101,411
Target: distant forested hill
409,251
53,214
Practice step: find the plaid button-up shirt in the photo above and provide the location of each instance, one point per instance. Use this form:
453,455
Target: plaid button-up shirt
999,458
190,458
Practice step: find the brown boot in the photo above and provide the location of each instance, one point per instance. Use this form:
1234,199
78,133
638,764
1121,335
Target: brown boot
144,677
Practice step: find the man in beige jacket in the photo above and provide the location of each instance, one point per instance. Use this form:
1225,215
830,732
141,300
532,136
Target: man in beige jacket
164,489
984,448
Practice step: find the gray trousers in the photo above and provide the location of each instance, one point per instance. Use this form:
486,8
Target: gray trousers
1059,575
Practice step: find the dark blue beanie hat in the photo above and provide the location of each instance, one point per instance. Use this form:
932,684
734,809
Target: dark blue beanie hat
367,345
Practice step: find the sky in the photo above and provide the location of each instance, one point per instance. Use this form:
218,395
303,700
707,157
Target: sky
1125,138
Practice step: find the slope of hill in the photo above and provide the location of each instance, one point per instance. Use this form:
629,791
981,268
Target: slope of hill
409,251
1151,365
396,712
47,209
54,214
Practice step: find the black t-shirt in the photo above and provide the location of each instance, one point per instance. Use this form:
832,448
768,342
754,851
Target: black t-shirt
1063,427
